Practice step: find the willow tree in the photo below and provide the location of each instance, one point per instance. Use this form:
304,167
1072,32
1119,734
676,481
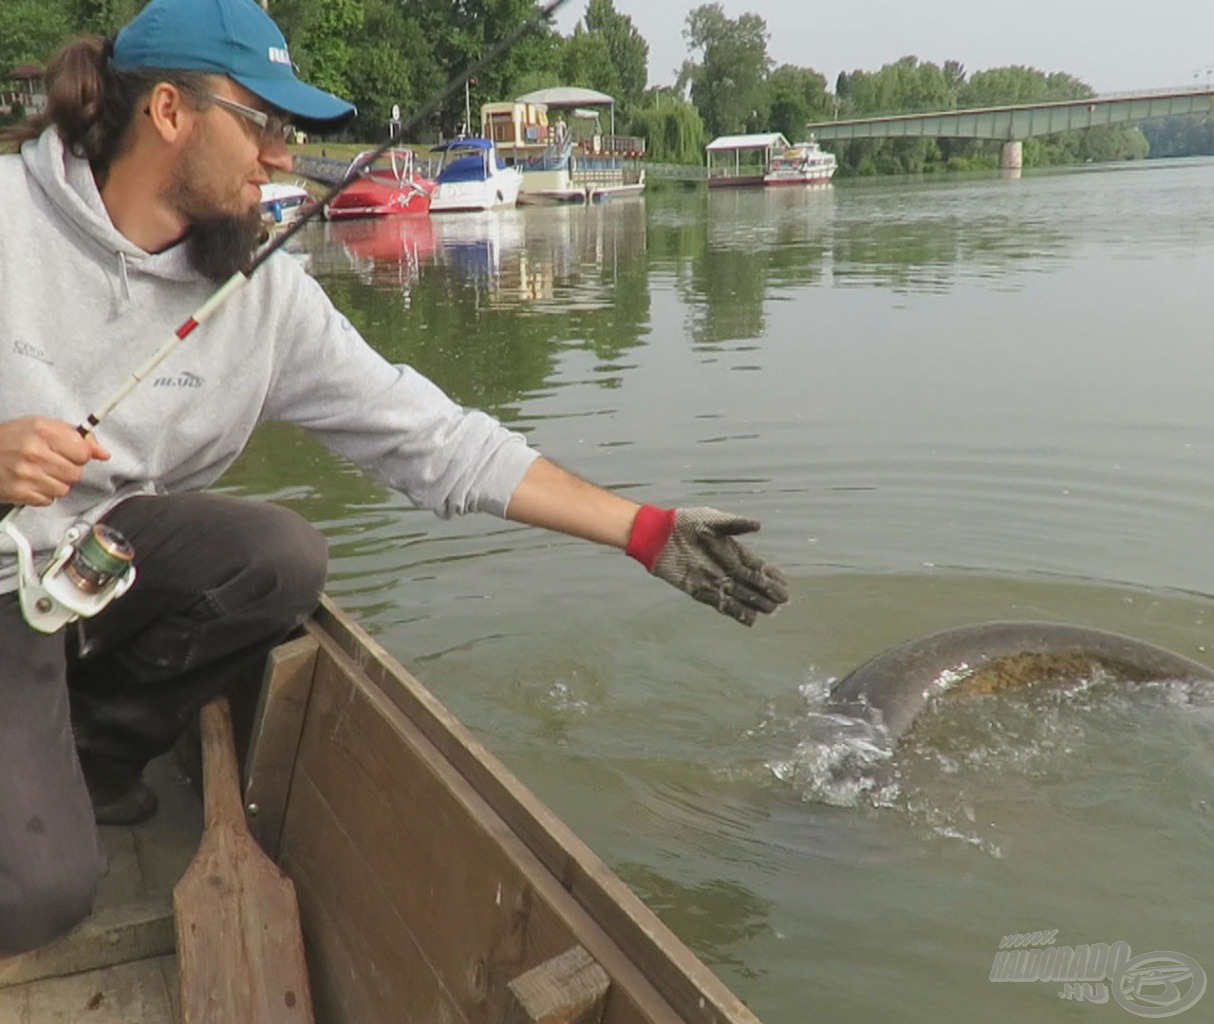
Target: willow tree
672,128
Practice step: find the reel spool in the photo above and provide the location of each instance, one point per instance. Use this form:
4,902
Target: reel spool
89,569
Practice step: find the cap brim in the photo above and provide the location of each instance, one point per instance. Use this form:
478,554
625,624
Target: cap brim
309,106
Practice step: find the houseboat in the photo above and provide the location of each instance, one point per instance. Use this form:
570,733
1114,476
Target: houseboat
556,138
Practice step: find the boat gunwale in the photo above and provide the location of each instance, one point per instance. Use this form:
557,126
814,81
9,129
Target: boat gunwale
665,962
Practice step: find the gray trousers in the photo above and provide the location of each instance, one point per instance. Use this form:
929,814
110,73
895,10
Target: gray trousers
220,581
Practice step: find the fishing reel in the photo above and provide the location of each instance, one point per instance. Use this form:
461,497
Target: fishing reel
89,569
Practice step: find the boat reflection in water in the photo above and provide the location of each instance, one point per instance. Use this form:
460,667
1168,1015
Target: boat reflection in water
385,251
515,257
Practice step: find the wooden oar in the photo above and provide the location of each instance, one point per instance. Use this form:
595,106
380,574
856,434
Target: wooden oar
239,942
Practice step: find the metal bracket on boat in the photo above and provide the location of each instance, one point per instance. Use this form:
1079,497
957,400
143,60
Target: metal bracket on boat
90,568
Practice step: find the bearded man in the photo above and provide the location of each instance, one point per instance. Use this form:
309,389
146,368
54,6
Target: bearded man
130,197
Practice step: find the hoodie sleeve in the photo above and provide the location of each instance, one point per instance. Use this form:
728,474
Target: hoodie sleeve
389,419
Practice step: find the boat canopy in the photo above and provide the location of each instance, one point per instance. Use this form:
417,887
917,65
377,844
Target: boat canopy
728,143
563,96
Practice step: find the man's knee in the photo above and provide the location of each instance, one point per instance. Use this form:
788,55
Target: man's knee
287,559
39,909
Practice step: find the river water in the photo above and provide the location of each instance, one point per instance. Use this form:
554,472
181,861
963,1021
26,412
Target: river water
948,402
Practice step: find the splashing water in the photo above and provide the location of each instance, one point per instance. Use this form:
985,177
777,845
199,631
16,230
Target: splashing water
978,767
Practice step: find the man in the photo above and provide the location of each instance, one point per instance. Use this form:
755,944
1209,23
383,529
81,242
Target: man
131,196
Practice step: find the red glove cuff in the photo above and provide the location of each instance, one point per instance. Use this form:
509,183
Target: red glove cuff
650,531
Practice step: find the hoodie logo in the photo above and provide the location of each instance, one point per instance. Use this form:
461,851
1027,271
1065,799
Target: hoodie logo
24,348
182,380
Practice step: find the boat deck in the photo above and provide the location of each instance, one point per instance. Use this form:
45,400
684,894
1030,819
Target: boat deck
431,884
118,967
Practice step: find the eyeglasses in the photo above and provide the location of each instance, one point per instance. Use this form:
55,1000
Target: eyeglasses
271,127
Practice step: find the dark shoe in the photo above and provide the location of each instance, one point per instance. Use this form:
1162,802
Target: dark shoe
122,803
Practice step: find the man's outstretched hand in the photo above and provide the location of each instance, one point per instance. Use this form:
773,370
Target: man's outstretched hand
695,550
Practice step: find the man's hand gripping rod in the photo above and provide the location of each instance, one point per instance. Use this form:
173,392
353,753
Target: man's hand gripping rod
92,566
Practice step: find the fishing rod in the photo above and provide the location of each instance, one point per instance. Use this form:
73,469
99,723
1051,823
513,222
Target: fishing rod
94,565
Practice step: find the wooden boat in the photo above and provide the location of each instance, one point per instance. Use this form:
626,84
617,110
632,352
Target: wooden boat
432,885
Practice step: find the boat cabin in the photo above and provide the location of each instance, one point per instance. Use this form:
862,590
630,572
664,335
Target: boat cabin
556,138
736,161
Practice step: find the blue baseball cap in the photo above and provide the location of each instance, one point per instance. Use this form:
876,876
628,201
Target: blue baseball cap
225,37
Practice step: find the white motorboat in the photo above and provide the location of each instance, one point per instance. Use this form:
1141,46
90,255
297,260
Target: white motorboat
473,177
804,163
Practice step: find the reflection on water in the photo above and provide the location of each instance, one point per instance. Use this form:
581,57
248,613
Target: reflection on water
948,401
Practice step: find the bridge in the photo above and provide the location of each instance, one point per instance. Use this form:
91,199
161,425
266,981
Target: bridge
1011,125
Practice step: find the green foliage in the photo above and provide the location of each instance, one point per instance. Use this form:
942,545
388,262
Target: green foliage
393,66
728,83
384,52
103,16
30,31
672,127
628,50
322,35
909,85
587,62
795,97
1180,136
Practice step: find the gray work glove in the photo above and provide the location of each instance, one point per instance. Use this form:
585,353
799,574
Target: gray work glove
694,549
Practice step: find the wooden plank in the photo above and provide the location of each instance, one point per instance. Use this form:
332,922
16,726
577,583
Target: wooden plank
240,949
274,742
568,989
127,994
115,935
392,825
366,964
696,994
15,1005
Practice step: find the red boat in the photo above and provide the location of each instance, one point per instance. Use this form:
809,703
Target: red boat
386,186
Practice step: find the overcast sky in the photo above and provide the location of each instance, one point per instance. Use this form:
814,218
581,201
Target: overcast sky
1113,45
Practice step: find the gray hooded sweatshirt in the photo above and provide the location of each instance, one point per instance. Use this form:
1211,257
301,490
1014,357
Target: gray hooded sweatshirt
81,307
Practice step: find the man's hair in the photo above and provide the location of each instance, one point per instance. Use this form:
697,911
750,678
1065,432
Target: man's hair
90,104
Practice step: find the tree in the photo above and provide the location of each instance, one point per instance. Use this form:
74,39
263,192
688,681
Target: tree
30,31
461,31
587,62
727,85
672,128
796,96
322,35
394,67
626,46
103,16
